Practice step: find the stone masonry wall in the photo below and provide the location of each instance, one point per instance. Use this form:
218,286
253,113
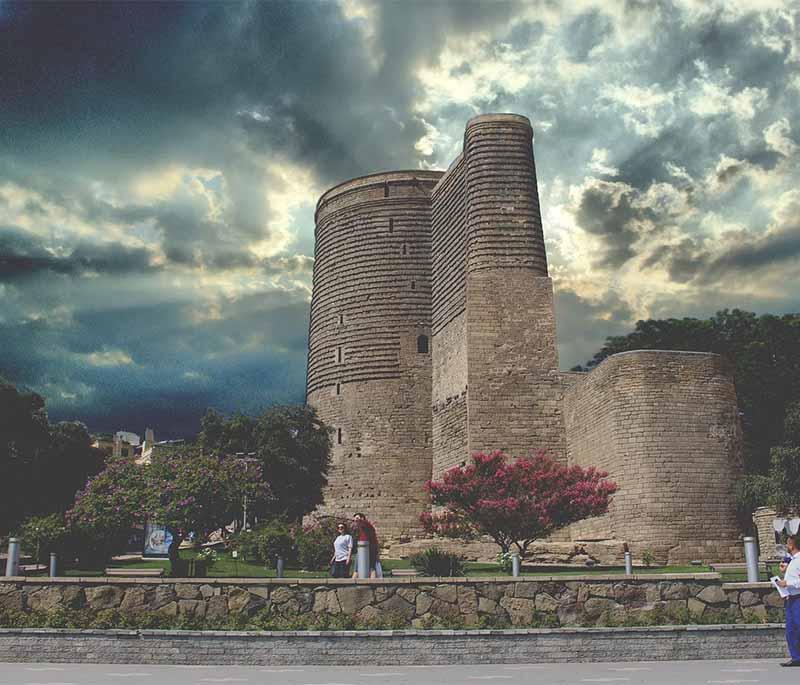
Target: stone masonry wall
392,647
514,400
567,601
663,425
366,378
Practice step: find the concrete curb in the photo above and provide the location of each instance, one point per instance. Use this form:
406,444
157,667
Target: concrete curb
392,647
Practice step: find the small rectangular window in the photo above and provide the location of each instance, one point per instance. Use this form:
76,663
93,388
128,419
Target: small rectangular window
338,388
339,355
391,225
339,436
386,189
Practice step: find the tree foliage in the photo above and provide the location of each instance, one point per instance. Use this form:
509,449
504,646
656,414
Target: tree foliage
186,492
764,354
42,465
292,446
515,502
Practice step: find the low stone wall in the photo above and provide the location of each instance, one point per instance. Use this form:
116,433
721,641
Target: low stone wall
385,648
565,600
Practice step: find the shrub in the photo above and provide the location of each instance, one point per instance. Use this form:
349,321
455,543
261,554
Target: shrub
42,535
435,562
266,542
315,543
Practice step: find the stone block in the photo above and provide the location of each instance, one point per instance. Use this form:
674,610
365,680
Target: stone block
594,607
187,591
712,594
446,593
423,603
217,607
695,606
748,599
352,599
520,611
397,606
545,602
135,600
192,607
104,597
46,599
467,600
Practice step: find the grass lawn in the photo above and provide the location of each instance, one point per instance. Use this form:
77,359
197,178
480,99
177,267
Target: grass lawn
227,567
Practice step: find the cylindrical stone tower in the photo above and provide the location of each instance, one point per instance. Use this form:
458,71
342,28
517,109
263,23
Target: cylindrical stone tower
514,387
369,362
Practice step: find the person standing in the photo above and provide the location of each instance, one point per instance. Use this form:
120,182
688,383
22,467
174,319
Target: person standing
366,533
342,552
791,581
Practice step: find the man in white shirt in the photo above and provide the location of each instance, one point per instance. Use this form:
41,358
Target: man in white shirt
342,552
791,581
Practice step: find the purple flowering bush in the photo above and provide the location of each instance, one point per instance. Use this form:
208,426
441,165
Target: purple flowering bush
187,492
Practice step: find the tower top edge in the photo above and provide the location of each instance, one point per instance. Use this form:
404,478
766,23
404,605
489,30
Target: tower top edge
378,178
499,118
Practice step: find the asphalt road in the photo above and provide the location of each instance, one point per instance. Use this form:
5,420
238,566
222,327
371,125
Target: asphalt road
630,673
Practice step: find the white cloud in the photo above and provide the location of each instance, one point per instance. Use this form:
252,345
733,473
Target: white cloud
776,136
646,110
108,357
599,163
713,96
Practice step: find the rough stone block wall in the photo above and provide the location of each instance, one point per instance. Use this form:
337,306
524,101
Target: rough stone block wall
370,304
568,601
664,426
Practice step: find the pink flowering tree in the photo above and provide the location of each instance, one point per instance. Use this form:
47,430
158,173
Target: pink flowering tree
515,502
187,492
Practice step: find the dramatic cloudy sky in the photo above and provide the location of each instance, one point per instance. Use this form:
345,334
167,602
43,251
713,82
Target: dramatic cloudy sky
159,166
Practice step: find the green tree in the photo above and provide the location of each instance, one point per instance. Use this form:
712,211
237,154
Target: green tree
42,466
763,352
292,446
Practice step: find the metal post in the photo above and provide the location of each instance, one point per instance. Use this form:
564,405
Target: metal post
12,563
53,564
628,564
751,559
279,566
362,560
515,565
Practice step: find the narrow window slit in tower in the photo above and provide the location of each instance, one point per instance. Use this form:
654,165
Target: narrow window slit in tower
341,319
338,388
422,344
391,225
386,189
405,249
413,285
339,436
339,355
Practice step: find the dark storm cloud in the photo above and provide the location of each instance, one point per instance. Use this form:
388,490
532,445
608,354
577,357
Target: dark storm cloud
609,211
586,32
692,260
98,96
23,255
583,325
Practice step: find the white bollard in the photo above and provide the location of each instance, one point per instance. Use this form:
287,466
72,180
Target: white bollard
515,565
751,559
12,563
279,567
628,564
53,564
362,560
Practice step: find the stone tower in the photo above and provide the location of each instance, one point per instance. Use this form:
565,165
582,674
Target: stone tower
433,336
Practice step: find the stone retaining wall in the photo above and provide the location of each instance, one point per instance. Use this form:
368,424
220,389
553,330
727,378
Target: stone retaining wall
386,648
564,600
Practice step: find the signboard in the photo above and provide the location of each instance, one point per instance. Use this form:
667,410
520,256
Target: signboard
157,539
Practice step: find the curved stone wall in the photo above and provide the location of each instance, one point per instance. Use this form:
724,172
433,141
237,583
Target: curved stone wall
514,387
664,425
366,377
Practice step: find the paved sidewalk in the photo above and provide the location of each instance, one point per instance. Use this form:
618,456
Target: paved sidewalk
629,673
